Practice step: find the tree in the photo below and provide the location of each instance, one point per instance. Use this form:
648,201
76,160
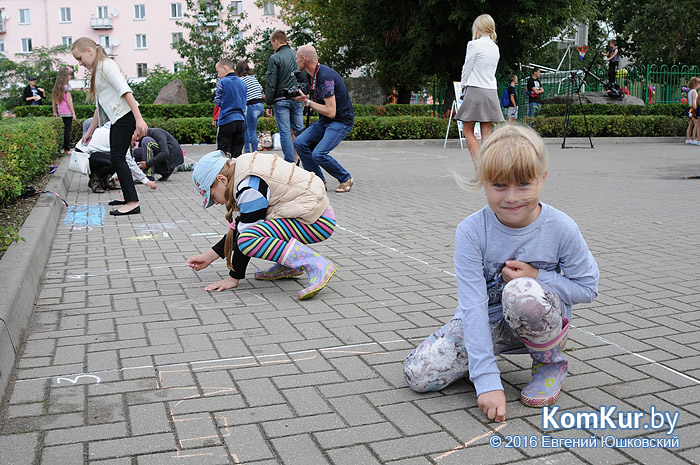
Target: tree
42,62
408,43
214,32
656,31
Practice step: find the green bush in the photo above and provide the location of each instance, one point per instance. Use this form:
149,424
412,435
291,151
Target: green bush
26,147
612,126
199,110
665,109
201,131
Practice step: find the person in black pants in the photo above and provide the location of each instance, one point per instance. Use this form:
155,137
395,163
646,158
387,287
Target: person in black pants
613,59
108,86
159,152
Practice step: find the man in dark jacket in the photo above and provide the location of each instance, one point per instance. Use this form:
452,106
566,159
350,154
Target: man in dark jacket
33,95
159,152
280,75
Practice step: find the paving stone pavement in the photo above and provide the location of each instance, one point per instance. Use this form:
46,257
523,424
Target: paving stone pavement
128,360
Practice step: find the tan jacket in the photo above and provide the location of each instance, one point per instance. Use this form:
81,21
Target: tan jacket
294,192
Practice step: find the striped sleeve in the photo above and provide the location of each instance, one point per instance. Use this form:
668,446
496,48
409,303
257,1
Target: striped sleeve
252,198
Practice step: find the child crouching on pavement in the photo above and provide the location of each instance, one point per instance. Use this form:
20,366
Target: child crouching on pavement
274,209
520,264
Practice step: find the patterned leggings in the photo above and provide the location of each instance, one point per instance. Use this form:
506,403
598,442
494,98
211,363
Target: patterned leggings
267,240
531,311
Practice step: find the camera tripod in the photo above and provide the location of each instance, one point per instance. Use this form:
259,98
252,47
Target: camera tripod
578,83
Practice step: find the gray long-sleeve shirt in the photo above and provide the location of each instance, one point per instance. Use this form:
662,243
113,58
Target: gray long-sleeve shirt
552,243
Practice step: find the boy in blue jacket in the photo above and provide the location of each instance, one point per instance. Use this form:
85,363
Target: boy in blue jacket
230,96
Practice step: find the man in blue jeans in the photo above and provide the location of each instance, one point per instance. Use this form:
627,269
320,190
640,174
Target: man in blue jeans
280,75
330,99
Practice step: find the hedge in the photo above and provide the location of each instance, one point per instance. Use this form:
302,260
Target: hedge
200,130
27,146
200,110
612,126
665,109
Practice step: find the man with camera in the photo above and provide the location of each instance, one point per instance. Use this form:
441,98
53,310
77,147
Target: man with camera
328,96
280,76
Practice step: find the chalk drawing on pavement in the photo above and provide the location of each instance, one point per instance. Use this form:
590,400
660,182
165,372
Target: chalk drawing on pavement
84,215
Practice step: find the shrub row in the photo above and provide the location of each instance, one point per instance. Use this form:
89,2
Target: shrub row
200,130
200,110
662,109
612,126
26,148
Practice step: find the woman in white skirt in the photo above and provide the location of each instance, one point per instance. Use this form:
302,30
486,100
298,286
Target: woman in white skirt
480,100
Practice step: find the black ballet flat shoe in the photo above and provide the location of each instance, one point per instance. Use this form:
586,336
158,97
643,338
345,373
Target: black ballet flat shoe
117,202
134,211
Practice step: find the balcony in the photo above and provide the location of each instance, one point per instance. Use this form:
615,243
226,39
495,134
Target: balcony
109,50
101,23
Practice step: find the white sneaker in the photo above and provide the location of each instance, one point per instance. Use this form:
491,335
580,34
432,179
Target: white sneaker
695,142
688,141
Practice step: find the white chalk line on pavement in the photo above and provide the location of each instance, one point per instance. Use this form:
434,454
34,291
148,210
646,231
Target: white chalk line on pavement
585,331
338,348
193,364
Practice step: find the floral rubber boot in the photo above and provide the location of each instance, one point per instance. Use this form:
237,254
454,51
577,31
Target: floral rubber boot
549,369
320,270
278,272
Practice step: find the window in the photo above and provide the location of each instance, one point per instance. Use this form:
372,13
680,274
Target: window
24,16
26,45
67,41
236,38
104,41
177,66
236,8
141,69
269,8
102,12
65,15
176,37
2,46
140,40
176,10
140,11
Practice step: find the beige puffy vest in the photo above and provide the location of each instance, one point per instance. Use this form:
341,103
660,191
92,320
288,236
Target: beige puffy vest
294,192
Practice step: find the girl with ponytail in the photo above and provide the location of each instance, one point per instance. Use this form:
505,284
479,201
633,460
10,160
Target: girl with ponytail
114,102
274,208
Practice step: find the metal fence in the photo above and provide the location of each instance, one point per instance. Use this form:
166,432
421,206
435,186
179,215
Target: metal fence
651,83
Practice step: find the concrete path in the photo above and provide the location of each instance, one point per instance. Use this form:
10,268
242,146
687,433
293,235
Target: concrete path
128,360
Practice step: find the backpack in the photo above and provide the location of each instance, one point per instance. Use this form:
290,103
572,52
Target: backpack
505,98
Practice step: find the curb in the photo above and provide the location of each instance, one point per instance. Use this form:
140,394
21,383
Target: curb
578,141
22,267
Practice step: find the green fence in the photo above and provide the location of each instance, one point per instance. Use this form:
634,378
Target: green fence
651,83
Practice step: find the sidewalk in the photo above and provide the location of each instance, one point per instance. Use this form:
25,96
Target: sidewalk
128,360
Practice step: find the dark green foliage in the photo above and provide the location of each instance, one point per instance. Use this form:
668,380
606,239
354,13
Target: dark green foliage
198,110
612,126
200,88
667,109
42,62
27,146
656,31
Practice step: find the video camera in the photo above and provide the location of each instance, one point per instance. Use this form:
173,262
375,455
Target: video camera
302,85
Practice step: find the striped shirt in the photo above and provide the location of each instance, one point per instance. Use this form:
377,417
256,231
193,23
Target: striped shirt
254,88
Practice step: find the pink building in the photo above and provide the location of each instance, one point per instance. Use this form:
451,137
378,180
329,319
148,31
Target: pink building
137,33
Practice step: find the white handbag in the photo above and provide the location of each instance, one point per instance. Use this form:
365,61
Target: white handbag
79,162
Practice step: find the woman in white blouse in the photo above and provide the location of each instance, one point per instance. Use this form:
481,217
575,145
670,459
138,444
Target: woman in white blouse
480,96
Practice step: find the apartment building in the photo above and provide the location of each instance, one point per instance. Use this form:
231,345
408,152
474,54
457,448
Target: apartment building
137,33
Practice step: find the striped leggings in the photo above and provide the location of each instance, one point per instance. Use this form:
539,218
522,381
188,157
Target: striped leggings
267,240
